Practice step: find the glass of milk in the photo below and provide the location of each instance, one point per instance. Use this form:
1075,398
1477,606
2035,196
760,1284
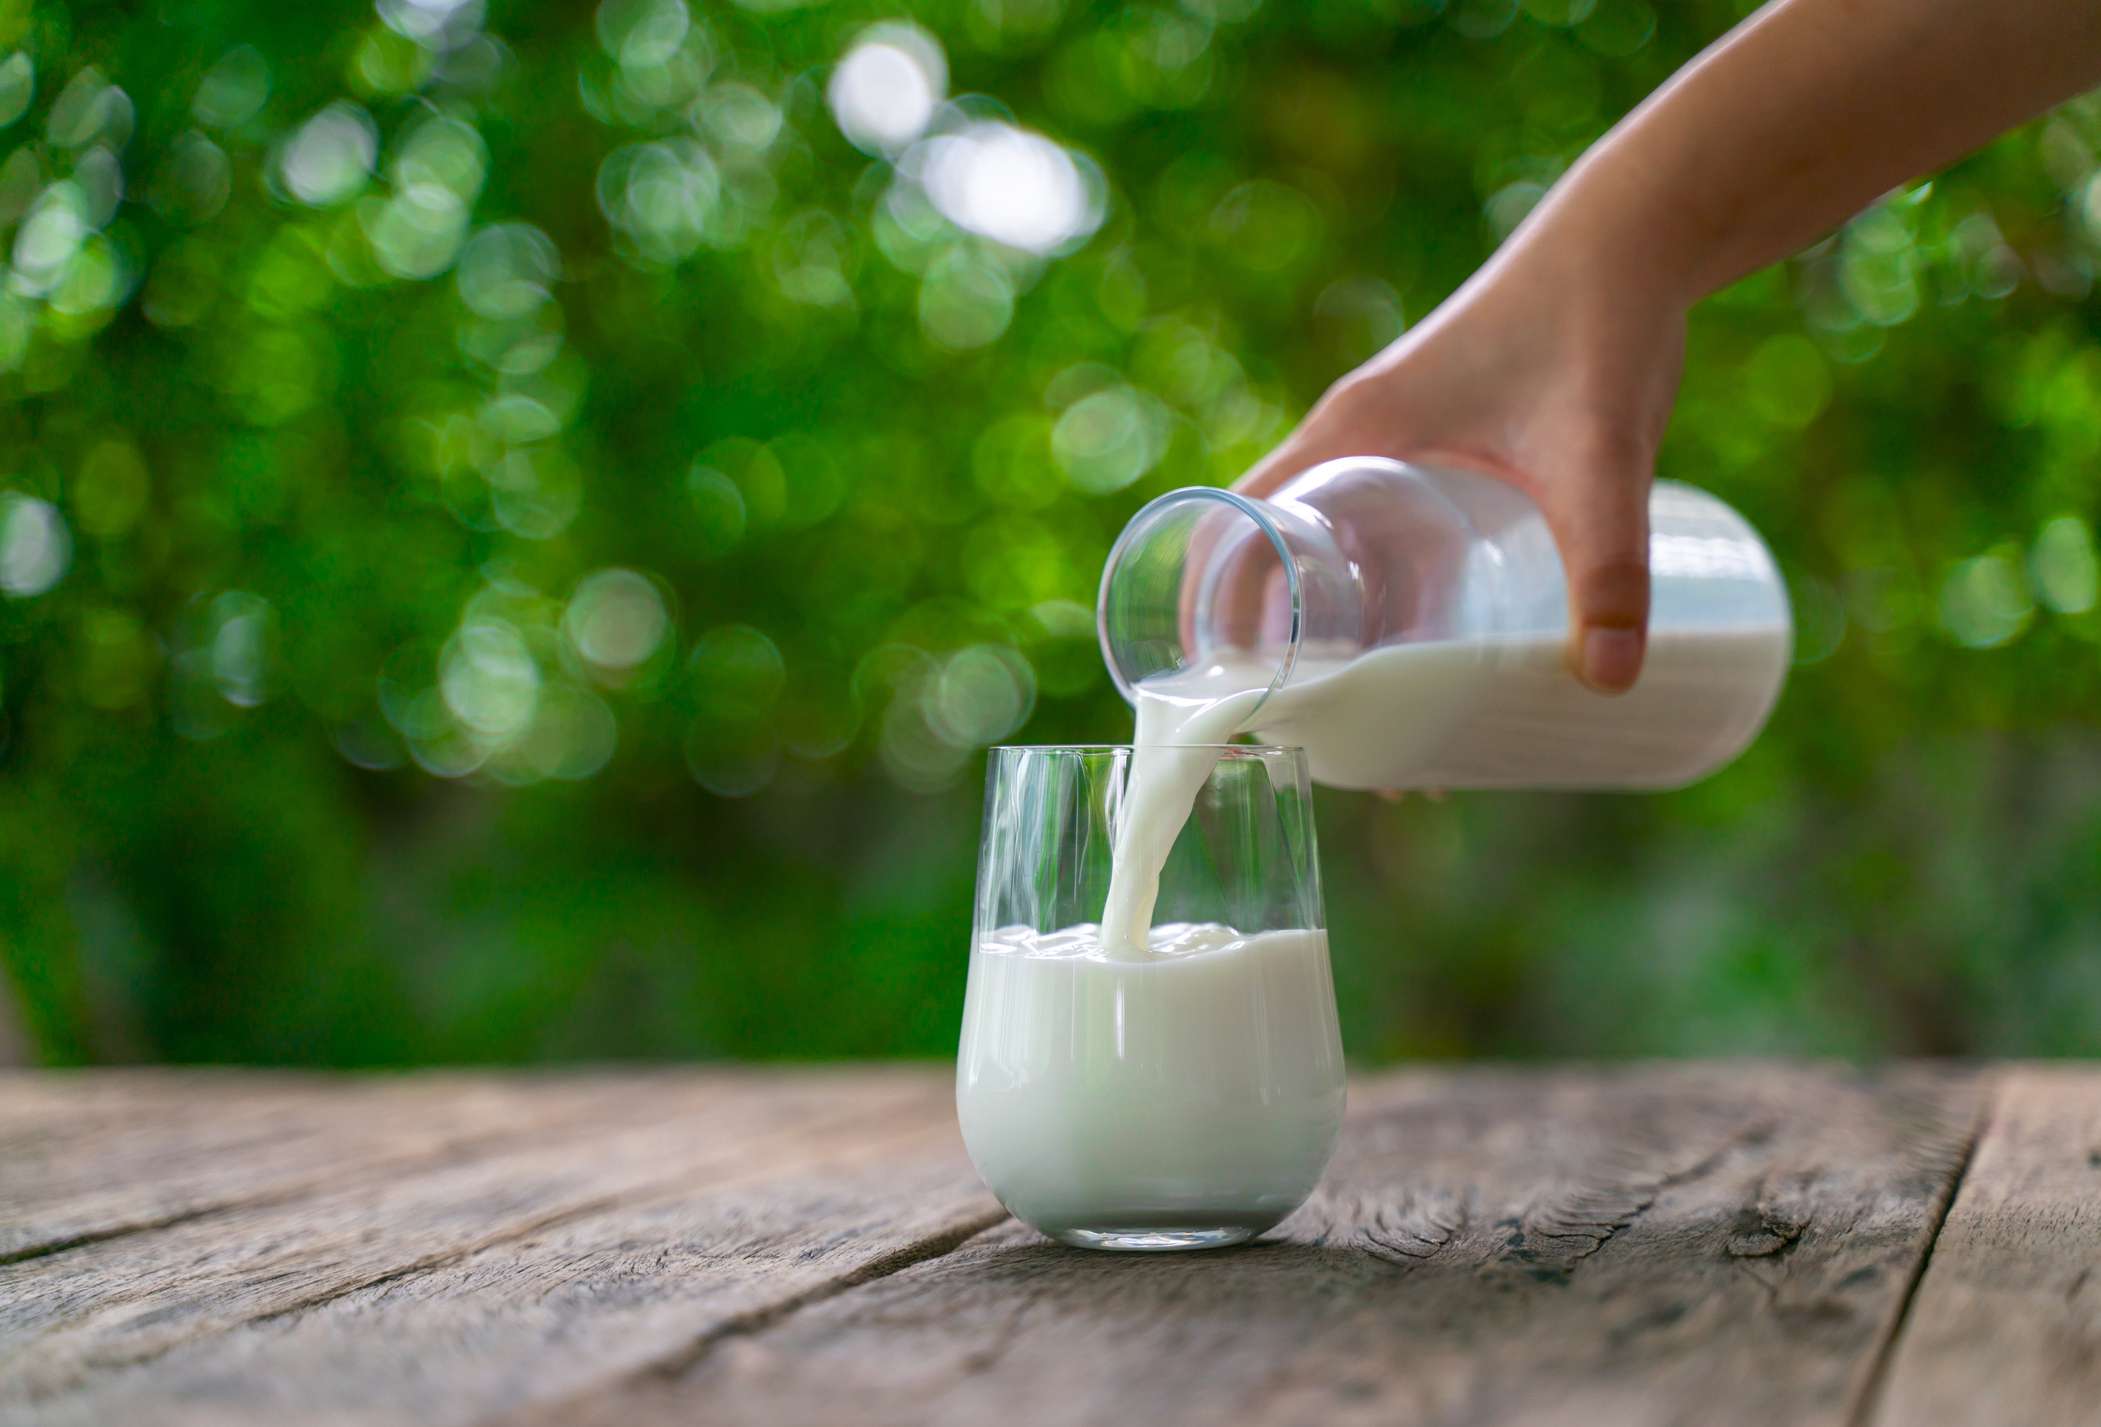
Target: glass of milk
1181,1088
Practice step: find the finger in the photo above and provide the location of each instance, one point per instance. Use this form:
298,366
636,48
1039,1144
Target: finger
1599,515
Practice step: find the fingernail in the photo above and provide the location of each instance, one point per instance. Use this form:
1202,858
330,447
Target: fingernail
1611,659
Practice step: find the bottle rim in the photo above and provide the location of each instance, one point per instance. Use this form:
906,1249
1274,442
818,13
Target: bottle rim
1254,511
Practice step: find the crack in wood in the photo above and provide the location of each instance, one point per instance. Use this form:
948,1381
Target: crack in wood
461,1149
440,1259
1592,1214
1412,1233
669,1367
340,1291
1876,1381
459,1153
921,1250
142,1226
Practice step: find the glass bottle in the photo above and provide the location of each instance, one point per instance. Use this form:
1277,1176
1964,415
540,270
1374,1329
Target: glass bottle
1410,628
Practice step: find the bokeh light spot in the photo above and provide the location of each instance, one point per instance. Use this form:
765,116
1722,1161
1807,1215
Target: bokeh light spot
884,92
444,152
1266,226
662,196
331,156
2067,573
35,546
193,182
49,237
737,672
445,24
640,34
1012,464
914,753
535,491
982,694
718,509
1617,28
1105,441
573,734
415,233
242,647
518,420
90,110
17,87
233,90
505,271
616,620
1984,601
489,679
966,300
1787,381
739,117
1009,185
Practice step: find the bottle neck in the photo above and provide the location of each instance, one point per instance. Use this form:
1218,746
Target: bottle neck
1203,577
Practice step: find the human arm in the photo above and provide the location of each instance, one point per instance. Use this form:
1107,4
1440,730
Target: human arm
1555,366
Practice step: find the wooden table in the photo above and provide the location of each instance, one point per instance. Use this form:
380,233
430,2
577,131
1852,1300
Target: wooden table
1709,1244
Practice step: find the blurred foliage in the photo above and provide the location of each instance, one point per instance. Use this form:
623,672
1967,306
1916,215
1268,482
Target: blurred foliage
516,523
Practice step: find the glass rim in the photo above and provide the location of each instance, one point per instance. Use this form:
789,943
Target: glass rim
1229,750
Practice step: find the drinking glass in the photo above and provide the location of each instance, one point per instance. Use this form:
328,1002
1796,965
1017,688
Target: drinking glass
1185,1097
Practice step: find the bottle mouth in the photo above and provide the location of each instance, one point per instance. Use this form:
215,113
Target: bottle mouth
1197,574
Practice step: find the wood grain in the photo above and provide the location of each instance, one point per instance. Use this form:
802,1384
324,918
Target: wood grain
812,1188
67,1318
2006,1327
1710,1244
88,1157
1722,1246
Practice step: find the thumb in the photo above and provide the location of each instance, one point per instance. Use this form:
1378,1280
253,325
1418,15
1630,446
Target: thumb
1599,515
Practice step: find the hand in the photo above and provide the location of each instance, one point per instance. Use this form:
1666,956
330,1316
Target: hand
1554,368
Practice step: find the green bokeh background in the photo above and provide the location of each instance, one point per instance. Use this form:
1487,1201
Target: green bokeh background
517,532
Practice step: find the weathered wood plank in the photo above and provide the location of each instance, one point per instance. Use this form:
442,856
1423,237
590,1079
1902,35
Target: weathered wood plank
1716,1245
549,1316
70,1318
1713,1244
2006,1324
86,1157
